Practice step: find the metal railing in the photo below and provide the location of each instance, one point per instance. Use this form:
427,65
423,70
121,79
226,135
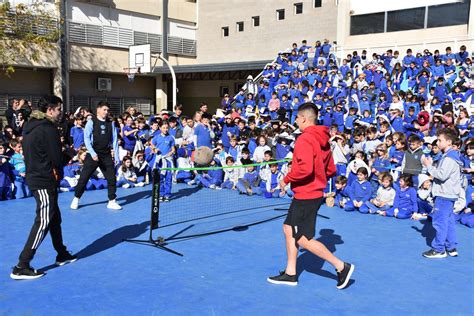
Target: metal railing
25,23
117,105
181,46
110,36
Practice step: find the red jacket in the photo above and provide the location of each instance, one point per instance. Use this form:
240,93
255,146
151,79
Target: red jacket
312,163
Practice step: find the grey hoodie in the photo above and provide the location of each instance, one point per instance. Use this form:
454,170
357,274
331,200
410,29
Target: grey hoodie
447,176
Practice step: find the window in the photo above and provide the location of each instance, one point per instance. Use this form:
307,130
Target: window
298,8
240,26
448,14
256,21
318,3
225,31
367,23
402,20
280,14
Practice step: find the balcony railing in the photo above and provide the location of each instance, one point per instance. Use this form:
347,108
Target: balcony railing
181,46
110,36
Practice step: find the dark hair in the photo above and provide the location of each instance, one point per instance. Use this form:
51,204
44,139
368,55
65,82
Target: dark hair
413,138
311,107
229,159
101,104
268,152
363,170
49,101
124,168
448,133
206,115
341,180
407,179
388,177
178,107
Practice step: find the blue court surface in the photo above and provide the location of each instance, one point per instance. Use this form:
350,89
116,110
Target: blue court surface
225,273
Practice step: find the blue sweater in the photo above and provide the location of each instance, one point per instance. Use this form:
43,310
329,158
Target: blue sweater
360,191
406,199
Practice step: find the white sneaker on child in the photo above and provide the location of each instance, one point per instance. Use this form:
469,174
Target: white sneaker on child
114,205
191,182
139,184
212,186
75,203
126,186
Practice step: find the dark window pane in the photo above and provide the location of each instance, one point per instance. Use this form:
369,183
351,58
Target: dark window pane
225,31
367,23
256,21
240,26
402,20
281,14
449,14
298,8
317,3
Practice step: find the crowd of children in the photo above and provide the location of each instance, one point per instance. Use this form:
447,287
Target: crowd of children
385,115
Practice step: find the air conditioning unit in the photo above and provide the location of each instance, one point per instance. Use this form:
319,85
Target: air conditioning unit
104,84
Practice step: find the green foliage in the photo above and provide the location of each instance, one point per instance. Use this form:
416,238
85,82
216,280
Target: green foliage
26,32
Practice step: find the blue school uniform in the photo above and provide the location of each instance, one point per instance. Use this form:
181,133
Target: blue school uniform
203,136
164,143
406,203
360,192
77,135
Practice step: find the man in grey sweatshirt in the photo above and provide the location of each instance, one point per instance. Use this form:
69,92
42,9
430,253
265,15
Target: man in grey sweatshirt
446,190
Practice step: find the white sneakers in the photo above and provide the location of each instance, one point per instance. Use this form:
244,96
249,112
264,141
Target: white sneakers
114,205
126,186
140,184
111,205
75,203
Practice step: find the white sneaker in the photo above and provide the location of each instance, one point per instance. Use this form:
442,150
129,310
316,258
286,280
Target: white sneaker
212,186
114,205
75,203
126,186
139,184
64,189
191,182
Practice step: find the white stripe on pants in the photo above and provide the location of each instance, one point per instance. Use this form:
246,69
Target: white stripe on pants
44,214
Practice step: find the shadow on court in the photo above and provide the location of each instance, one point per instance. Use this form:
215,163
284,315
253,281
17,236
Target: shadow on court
109,240
185,192
427,231
313,264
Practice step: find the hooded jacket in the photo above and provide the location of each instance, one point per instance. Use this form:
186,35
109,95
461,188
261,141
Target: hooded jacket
447,182
42,151
312,163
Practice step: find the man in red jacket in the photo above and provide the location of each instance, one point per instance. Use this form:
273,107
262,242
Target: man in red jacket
311,167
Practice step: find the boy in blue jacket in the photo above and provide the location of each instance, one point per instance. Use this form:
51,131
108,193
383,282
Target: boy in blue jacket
446,190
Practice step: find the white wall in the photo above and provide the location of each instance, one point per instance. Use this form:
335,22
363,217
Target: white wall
372,6
99,15
182,29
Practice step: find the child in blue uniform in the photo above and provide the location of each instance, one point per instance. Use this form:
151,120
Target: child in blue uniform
446,190
405,203
360,191
163,147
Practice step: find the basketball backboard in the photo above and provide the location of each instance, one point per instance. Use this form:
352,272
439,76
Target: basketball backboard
139,56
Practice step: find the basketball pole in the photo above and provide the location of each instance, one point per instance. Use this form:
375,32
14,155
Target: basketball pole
160,242
173,75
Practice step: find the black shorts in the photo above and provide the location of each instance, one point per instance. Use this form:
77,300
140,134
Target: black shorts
302,217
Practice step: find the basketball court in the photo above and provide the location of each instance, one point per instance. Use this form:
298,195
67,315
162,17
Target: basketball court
225,273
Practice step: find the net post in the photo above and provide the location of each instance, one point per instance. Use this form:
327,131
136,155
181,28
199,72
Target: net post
155,201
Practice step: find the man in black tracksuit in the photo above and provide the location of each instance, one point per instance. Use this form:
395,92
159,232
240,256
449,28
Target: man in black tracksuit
100,137
43,160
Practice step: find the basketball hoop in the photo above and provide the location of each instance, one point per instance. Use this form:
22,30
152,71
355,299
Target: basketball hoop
131,72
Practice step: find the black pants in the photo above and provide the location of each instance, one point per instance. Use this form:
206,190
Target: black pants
48,218
106,165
